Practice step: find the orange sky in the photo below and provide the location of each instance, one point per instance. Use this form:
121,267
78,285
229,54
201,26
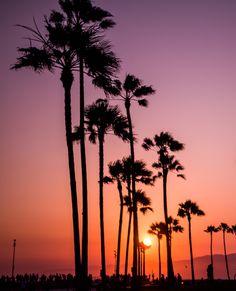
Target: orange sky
187,52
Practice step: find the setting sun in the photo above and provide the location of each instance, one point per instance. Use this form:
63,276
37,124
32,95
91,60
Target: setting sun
147,241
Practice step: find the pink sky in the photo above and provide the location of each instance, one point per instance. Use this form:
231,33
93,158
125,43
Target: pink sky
187,51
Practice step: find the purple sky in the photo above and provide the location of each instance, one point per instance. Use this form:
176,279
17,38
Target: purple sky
187,51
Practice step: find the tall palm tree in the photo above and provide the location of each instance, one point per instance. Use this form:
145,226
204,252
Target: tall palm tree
158,230
95,59
130,91
73,41
211,229
225,229
101,118
187,209
142,175
116,171
54,52
165,144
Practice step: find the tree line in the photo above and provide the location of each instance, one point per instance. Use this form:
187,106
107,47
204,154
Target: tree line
74,43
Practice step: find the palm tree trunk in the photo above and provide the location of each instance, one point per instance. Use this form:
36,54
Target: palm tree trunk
101,167
135,221
128,234
226,259
127,244
170,270
84,177
211,248
120,228
67,80
191,249
159,256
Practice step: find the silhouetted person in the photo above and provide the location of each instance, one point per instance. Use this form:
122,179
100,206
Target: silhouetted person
179,279
210,272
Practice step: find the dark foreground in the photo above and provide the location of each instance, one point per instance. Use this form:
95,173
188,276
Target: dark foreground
66,283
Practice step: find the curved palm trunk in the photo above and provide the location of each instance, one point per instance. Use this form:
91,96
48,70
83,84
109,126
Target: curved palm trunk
84,177
102,235
120,228
67,80
135,220
159,256
128,235
191,249
170,270
226,259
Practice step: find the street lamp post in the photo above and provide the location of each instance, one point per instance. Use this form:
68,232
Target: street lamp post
13,259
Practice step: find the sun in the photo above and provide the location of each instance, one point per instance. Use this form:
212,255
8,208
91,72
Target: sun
147,241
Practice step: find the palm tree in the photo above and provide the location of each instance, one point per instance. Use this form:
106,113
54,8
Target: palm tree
161,228
132,90
95,59
173,226
143,204
187,209
116,171
101,118
158,230
225,229
165,145
74,41
211,229
142,175
55,52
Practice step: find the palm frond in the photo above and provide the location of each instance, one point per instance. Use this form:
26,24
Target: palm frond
143,102
144,91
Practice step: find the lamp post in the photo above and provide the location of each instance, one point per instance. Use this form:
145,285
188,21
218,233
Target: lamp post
13,259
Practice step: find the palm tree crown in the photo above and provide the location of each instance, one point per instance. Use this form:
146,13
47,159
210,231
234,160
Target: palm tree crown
165,144
188,208
211,229
102,118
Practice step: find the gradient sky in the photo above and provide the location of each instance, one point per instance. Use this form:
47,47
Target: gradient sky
187,51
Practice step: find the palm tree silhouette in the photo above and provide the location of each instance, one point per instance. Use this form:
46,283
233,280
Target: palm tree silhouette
116,171
143,204
55,52
94,58
211,229
187,209
225,229
73,41
132,90
142,175
158,230
165,145
101,118
161,228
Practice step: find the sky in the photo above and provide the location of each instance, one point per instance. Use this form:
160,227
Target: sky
187,51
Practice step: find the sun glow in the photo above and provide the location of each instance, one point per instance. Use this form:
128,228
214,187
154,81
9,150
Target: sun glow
147,241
